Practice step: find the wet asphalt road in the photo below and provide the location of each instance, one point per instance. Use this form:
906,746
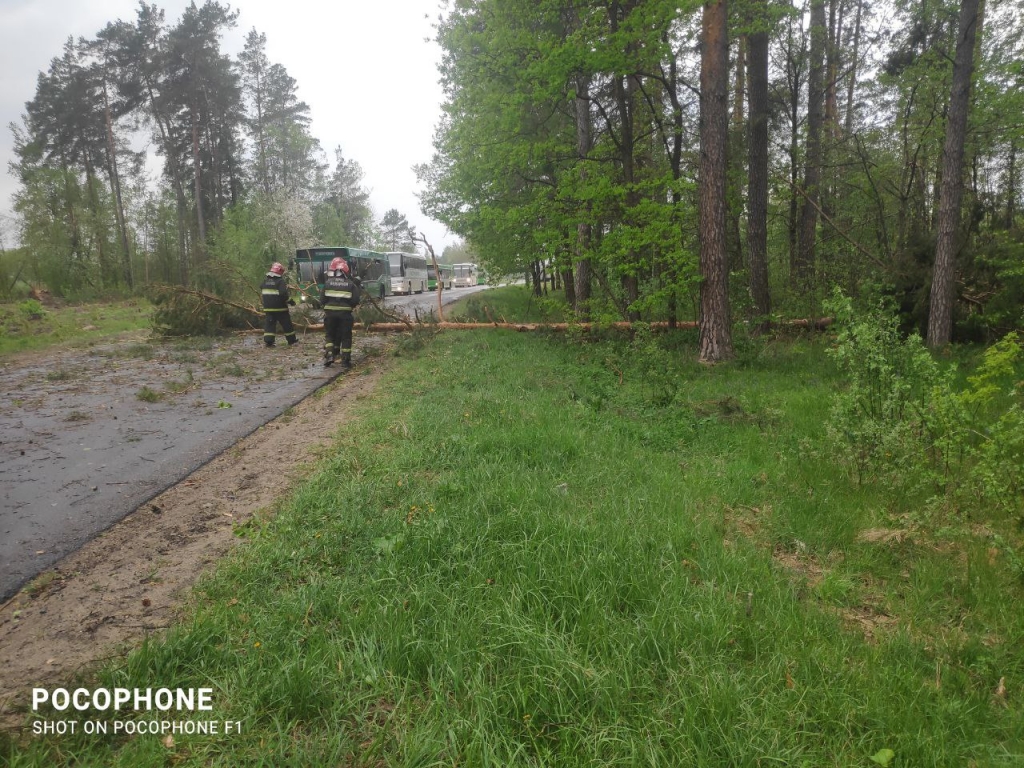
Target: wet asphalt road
80,449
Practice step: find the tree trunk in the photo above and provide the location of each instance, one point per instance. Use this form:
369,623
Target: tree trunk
835,23
108,276
852,81
581,280
807,232
735,154
69,210
115,189
793,74
715,327
197,174
757,188
570,286
171,155
943,291
1011,185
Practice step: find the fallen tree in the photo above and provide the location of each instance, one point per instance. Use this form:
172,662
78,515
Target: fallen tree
190,305
819,324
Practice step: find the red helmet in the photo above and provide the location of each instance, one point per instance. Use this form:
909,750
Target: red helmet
277,268
339,263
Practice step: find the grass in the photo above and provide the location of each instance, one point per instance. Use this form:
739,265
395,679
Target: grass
148,395
178,386
27,325
515,303
535,551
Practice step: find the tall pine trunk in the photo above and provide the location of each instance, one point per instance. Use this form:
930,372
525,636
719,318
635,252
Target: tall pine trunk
734,152
757,187
115,189
807,232
943,292
1011,185
197,175
714,324
852,76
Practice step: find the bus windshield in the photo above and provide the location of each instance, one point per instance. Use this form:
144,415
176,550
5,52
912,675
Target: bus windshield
396,264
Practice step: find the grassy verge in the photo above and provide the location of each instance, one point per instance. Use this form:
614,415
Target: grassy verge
28,325
538,551
515,303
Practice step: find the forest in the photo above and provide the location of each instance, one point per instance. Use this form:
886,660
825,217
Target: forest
727,162
242,180
740,161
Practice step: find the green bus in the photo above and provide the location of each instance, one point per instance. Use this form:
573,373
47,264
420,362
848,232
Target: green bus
447,276
309,266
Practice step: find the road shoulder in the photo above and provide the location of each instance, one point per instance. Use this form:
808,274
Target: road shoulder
130,582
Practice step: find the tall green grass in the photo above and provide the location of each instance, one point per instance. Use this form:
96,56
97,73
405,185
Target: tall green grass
534,552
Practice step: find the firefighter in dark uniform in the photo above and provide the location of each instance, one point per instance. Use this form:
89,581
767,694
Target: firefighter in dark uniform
339,297
275,307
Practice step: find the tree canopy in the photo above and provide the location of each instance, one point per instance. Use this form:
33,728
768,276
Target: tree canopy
575,136
575,146
243,178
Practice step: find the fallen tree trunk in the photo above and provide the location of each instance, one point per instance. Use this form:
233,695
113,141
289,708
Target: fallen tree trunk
819,324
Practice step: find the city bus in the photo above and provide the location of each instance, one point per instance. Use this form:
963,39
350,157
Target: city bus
408,272
465,275
447,274
371,269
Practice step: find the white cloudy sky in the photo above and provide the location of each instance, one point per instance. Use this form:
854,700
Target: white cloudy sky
366,68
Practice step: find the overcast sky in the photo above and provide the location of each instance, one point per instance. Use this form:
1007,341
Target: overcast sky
366,68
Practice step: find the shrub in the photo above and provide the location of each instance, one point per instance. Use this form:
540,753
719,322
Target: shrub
989,426
903,421
877,422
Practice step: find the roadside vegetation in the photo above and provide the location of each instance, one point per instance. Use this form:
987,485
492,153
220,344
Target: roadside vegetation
28,324
511,303
588,549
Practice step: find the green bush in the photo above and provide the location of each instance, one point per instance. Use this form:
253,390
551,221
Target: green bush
903,421
986,426
877,422
31,308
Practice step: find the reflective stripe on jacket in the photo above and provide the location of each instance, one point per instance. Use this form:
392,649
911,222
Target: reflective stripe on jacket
275,294
339,294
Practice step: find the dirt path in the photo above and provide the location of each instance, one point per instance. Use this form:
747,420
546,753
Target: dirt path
126,582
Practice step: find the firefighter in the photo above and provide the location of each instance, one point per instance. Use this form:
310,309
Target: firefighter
339,297
275,307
